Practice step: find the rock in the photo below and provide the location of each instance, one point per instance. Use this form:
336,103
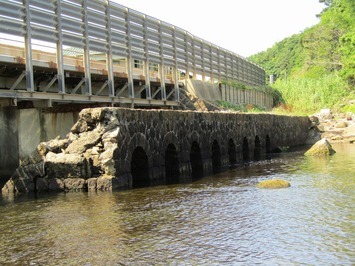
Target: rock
24,179
34,158
75,184
274,183
84,142
107,158
324,114
79,127
92,184
56,184
41,184
56,145
320,148
349,116
66,165
104,183
314,119
341,124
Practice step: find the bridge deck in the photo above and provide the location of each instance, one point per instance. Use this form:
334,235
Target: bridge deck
100,51
13,86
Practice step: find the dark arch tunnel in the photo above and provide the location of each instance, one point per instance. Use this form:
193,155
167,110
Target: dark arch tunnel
232,152
216,157
172,165
267,144
257,149
196,161
245,147
140,168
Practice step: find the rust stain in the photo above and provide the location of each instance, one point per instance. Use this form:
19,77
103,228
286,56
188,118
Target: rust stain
52,64
120,74
79,68
20,60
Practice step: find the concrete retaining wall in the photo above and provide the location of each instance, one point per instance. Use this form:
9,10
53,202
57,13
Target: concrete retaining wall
22,130
212,93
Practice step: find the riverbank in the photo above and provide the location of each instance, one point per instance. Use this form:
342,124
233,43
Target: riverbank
339,127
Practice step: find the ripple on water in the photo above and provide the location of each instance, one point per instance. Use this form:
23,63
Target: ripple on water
223,219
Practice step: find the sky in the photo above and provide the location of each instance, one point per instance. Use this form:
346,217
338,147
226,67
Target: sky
245,27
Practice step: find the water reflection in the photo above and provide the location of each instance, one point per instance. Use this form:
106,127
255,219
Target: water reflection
221,219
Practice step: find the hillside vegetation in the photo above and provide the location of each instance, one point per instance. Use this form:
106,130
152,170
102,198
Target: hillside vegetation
316,68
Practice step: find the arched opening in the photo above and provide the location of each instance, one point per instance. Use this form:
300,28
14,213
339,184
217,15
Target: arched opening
172,171
232,153
246,157
268,144
196,161
257,149
140,168
216,157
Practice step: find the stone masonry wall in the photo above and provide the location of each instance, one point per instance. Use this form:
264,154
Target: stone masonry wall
110,148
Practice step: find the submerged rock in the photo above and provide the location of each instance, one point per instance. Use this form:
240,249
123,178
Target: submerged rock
274,183
321,148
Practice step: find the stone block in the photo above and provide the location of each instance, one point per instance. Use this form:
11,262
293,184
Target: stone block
92,184
66,165
75,184
56,184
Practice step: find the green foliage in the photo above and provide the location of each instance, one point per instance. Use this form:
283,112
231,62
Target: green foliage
316,68
347,51
307,95
281,59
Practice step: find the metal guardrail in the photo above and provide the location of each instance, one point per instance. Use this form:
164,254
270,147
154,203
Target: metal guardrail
103,32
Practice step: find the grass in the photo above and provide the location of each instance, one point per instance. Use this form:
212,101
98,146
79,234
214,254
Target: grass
250,108
306,96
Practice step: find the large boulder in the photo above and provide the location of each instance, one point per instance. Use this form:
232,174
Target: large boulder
274,183
321,148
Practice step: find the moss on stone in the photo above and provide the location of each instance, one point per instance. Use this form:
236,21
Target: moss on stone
274,183
321,148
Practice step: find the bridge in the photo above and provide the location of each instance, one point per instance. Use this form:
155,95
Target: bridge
97,51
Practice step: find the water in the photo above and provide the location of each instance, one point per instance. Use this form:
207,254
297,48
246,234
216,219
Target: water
218,220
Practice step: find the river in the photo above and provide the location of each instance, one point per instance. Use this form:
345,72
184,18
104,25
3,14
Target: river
218,220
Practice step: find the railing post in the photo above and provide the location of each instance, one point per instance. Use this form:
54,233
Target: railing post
147,62
211,70
86,49
162,65
59,46
203,61
109,60
129,58
176,74
193,58
28,48
187,73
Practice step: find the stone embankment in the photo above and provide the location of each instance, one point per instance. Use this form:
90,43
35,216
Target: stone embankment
112,148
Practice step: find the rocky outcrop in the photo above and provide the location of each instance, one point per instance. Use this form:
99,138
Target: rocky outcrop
339,127
321,148
71,163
